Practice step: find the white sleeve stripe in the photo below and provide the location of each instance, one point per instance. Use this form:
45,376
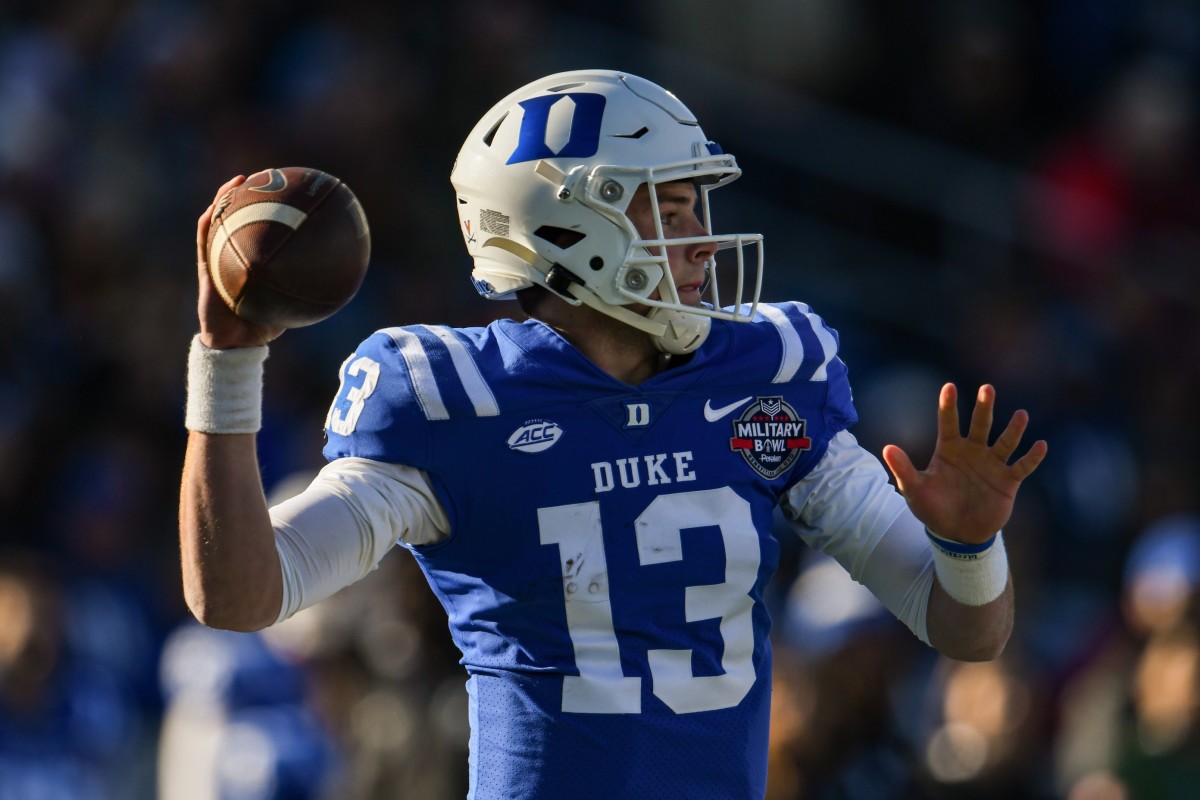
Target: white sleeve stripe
793,348
421,373
468,372
828,345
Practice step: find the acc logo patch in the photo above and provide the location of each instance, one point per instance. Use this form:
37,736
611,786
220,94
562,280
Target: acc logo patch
535,436
770,436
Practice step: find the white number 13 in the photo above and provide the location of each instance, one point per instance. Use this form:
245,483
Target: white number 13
601,687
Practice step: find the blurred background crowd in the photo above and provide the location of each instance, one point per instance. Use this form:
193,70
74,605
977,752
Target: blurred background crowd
968,190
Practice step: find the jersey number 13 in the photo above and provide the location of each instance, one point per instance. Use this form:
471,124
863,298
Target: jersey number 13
601,686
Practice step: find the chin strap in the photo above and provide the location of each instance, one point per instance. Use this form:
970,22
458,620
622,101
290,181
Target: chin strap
685,331
621,313
672,331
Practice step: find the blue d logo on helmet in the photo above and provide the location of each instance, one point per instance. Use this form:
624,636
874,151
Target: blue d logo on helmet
583,130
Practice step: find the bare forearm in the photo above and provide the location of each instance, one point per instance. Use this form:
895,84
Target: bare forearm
231,574
969,633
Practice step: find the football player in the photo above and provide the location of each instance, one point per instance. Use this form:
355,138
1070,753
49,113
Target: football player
590,491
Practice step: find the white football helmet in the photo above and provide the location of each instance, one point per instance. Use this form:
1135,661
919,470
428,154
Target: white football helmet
544,180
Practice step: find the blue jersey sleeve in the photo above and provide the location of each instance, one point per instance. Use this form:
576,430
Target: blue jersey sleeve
379,412
810,367
840,413
811,355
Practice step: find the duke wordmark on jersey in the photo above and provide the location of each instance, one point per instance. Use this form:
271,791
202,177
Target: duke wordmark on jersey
659,469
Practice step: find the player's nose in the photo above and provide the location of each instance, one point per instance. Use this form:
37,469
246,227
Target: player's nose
699,251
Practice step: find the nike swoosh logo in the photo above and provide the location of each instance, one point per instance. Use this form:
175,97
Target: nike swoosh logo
276,183
713,414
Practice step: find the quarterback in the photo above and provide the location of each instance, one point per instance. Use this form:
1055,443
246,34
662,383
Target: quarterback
590,491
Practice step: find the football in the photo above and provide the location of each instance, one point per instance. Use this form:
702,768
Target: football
288,247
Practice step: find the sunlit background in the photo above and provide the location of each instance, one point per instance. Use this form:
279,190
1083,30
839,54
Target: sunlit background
966,190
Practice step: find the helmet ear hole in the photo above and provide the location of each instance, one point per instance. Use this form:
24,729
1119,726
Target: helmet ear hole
562,238
490,136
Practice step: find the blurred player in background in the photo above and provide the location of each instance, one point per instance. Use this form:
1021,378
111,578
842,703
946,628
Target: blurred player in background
590,491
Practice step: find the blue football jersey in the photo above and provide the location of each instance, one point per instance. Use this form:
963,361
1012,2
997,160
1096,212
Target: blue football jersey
609,544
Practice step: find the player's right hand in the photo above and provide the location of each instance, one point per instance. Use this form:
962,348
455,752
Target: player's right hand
220,328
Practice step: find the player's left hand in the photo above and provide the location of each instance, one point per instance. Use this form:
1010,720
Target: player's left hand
967,491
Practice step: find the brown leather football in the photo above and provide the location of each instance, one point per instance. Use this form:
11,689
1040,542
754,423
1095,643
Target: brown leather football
289,247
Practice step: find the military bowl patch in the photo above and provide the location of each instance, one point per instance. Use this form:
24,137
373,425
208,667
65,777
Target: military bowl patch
770,436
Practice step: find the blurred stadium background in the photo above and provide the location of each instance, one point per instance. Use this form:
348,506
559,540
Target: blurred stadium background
966,189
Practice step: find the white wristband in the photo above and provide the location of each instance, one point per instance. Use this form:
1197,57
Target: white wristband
224,389
974,575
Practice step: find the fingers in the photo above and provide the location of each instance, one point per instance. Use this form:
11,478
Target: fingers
902,468
1007,441
220,327
981,416
205,221
948,424
1024,466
